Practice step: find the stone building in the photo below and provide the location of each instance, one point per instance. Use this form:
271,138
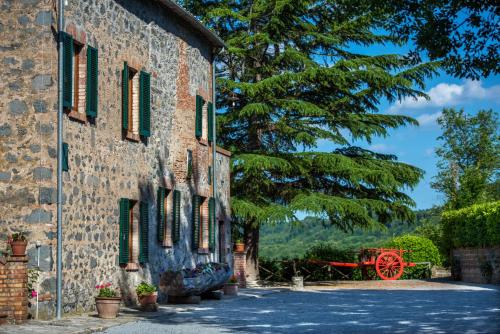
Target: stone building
138,167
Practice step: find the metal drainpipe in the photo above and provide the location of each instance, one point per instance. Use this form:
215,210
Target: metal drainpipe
214,145
60,29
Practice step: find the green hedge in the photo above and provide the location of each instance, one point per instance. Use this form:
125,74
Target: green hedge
474,226
422,250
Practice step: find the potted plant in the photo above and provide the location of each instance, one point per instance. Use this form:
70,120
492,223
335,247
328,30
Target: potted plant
239,245
146,293
231,286
18,243
107,301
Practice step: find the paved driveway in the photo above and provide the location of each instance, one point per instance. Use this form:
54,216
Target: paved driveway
395,309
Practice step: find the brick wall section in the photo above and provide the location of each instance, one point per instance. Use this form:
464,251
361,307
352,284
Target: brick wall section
472,263
13,289
239,267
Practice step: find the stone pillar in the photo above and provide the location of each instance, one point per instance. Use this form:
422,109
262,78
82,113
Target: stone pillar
239,268
13,288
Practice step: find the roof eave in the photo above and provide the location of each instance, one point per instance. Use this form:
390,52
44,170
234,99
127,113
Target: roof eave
215,40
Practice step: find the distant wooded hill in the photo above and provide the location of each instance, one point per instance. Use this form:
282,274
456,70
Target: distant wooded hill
290,240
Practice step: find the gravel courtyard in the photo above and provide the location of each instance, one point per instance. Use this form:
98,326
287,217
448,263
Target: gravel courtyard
378,307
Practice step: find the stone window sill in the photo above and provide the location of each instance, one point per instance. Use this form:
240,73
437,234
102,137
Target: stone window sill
203,251
133,136
132,267
77,116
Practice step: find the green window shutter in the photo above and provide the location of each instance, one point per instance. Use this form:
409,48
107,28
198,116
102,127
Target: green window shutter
161,214
124,230
211,224
65,158
144,233
67,70
199,116
125,96
196,222
145,104
209,178
176,225
210,114
189,172
92,86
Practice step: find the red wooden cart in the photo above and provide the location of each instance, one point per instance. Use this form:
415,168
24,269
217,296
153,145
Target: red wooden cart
388,263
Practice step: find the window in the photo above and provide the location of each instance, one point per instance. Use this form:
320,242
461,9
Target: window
203,224
79,79
168,216
134,224
136,103
72,72
199,116
65,157
92,82
209,175
204,119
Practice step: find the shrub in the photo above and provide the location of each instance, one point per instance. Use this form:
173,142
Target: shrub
145,289
422,250
474,226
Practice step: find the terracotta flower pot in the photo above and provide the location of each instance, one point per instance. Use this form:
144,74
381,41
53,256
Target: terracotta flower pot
148,299
239,247
18,247
231,289
107,307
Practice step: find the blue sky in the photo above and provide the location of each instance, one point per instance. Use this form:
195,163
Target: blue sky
415,145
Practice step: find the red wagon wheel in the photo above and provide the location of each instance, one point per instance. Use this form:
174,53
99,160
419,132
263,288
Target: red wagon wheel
389,266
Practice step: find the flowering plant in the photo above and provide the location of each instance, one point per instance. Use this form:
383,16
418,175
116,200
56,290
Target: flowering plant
105,291
233,279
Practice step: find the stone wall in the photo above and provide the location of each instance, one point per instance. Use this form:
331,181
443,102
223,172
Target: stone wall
476,265
102,166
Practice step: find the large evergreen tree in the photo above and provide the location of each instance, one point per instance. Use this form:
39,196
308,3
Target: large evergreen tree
290,79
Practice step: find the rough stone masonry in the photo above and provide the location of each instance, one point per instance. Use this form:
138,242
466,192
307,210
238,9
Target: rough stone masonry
103,165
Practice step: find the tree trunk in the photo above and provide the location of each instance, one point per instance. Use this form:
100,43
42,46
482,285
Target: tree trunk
252,247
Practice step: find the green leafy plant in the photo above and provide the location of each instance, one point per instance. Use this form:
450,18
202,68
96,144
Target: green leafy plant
33,275
105,291
145,289
19,236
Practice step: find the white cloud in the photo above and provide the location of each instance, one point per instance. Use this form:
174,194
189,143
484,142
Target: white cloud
445,94
429,119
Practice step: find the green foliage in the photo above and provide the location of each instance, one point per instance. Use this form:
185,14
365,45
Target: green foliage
33,276
462,34
474,226
282,270
469,158
326,251
288,80
292,240
145,289
19,236
106,293
422,250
